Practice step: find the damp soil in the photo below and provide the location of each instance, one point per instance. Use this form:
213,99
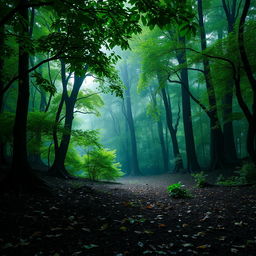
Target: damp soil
134,216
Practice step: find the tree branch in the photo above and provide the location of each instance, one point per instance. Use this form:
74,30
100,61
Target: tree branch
8,16
247,66
85,97
212,57
81,112
7,86
192,97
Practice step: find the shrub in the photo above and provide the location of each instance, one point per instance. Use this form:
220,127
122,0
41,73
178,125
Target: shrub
231,181
100,164
177,191
247,174
200,179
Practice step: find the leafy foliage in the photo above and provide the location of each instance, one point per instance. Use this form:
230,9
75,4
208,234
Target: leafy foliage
231,181
6,121
178,191
99,164
200,179
246,175
44,83
248,172
89,102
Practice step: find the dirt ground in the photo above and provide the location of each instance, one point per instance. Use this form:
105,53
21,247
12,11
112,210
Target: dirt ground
133,216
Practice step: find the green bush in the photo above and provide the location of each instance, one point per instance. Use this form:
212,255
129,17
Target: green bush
246,175
177,191
100,164
231,181
200,179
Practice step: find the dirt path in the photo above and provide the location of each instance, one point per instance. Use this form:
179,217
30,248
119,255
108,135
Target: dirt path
132,218
146,186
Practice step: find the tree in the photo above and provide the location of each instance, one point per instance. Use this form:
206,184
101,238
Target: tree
232,12
192,163
155,49
156,115
21,175
135,170
217,140
250,115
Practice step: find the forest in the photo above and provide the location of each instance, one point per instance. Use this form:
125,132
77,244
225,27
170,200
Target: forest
127,127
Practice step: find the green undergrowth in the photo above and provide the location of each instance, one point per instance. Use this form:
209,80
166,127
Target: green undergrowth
245,175
178,191
200,179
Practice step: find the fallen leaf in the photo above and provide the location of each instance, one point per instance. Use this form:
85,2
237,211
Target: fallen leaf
147,252
86,229
123,228
37,233
187,245
204,246
104,227
148,232
140,244
90,246
233,250
56,229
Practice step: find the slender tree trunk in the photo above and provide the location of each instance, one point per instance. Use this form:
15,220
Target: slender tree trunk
217,140
2,155
228,131
135,170
192,163
250,116
163,146
161,137
127,147
169,120
20,161
35,157
58,168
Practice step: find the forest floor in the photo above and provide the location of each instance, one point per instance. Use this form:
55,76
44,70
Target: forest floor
135,216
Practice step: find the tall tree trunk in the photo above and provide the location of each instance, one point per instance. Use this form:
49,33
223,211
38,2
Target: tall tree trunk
161,137
21,176
35,157
217,140
192,163
173,131
228,131
2,155
58,168
250,116
163,146
135,170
